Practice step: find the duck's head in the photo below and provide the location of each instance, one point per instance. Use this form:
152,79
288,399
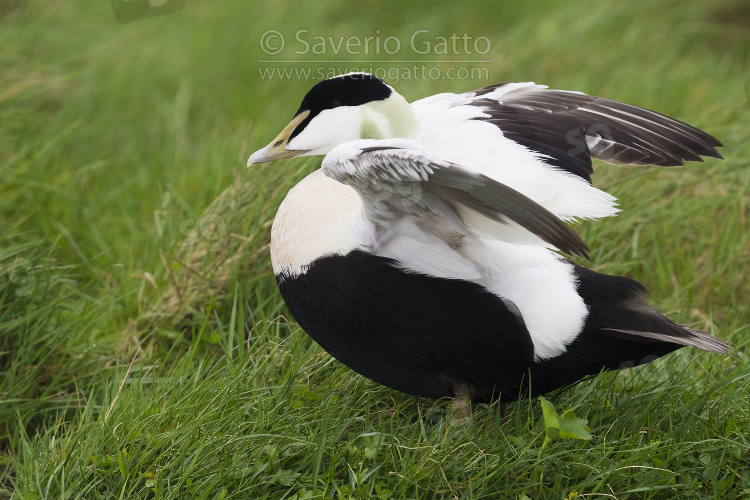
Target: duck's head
340,109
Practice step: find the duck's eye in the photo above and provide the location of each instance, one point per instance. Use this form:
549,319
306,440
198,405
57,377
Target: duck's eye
336,103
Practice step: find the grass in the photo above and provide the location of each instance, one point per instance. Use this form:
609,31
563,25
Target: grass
145,351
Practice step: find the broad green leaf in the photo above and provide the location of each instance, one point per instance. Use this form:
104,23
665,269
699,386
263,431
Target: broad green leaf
572,427
566,427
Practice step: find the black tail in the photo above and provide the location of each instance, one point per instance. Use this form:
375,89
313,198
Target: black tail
618,305
621,331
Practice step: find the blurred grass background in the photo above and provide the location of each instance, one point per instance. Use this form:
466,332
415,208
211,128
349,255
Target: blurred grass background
145,351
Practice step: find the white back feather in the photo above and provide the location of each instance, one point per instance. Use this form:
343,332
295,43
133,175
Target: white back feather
449,127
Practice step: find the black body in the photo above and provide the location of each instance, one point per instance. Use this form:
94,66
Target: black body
424,335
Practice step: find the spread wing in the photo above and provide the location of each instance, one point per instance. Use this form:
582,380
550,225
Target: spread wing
399,177
570,128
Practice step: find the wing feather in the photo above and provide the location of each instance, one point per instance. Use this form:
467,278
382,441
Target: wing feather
571,128
403,174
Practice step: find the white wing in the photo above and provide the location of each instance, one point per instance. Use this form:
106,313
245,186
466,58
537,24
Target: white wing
540,142
399,178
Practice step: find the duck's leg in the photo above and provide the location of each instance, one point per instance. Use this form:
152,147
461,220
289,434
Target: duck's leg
461,405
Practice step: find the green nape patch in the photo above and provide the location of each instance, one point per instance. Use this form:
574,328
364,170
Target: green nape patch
145,351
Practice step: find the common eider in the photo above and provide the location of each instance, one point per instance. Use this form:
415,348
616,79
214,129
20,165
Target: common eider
422,254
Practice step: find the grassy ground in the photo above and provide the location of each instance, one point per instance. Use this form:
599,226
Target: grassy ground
145,351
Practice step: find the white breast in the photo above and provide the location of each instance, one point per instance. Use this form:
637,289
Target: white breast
318,217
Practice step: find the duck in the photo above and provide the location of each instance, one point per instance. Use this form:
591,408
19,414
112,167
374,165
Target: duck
426,253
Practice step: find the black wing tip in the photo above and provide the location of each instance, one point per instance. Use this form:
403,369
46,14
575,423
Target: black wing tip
679,143
707,151
714,153
575,246
680,161
660,139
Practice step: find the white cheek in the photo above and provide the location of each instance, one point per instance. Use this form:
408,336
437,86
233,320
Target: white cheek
328,129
